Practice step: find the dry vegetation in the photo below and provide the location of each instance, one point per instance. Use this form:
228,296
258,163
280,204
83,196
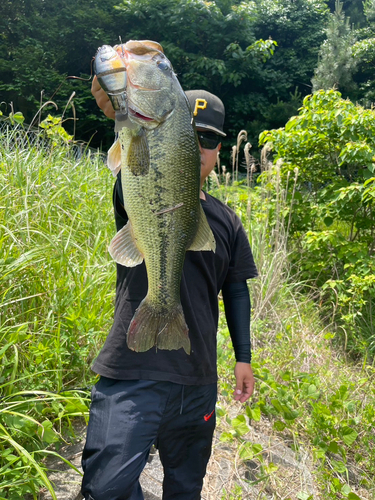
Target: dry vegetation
313,436
307,433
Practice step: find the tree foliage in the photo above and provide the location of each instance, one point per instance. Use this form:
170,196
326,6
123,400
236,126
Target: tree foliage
252,53
332,144
353,9
277,91
43,43
347,56
298,28
364,53
336,62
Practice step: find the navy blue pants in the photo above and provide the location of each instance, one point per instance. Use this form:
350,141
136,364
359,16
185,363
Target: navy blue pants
127,417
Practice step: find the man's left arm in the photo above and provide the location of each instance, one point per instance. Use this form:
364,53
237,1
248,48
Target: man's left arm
237,311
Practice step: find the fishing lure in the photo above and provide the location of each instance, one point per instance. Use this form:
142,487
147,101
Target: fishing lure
110,70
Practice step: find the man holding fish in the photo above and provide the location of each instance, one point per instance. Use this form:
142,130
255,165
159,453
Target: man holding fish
176,249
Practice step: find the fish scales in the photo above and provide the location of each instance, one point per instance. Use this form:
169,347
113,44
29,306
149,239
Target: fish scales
171,181
160,173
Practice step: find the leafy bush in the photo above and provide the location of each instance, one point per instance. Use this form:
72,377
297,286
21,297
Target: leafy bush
306,396
332,144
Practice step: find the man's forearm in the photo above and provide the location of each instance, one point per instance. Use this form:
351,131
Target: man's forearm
237,311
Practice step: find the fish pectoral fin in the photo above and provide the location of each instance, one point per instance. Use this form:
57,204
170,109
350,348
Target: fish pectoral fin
139,154
123,248
114,158
204,238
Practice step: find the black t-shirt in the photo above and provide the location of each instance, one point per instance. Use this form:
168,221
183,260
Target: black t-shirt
202,279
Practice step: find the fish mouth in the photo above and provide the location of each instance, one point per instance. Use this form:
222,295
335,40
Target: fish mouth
137,114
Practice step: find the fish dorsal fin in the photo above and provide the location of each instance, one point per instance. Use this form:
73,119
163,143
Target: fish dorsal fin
114,158
204,238
139,154
123,249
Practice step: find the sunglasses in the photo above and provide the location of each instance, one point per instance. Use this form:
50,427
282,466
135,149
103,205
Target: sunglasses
208,140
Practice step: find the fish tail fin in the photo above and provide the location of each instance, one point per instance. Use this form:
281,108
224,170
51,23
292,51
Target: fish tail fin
175,333
151,327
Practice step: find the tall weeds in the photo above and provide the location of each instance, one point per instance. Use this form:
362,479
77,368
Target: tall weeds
307,396
263,208
56,289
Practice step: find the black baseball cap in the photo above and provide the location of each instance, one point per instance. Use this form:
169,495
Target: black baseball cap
208,110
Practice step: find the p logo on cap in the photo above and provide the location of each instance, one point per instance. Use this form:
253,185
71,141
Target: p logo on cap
207,110
199,104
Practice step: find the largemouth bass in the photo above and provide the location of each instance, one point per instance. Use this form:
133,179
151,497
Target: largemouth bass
158,154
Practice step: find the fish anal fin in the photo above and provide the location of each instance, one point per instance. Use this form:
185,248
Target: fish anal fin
114,158
123,248
204,238
138,159
151,327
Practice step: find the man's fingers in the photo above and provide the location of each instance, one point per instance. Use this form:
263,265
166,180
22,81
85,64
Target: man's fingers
245,395
242,396
237,392
249,388
244,382
242,393
102,99
95,86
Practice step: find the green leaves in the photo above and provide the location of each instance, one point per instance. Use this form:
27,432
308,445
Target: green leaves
279,425
240,426
16,118
27,458
284,410
46,433
253,413
225,46
348,435
50,215
309,397
328,133
338,466
332,143
304,496
248,451
353,496
26,432
55,131
336,62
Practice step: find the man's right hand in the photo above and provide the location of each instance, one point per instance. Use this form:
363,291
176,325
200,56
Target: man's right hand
102,100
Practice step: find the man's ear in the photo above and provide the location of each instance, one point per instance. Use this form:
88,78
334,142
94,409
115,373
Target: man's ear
219,147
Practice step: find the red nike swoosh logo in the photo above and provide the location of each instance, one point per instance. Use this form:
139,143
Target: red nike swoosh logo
207,417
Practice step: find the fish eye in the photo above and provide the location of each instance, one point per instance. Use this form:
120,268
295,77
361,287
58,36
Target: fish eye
163,65
162,61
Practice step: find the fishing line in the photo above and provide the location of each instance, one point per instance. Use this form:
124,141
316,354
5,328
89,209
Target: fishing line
75,78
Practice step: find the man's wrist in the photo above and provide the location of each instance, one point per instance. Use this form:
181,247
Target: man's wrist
243,354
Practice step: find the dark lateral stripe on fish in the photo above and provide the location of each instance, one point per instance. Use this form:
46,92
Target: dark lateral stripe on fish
110,72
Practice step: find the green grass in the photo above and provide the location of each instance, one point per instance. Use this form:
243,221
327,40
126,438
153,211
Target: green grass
57,289
57,285
309,395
